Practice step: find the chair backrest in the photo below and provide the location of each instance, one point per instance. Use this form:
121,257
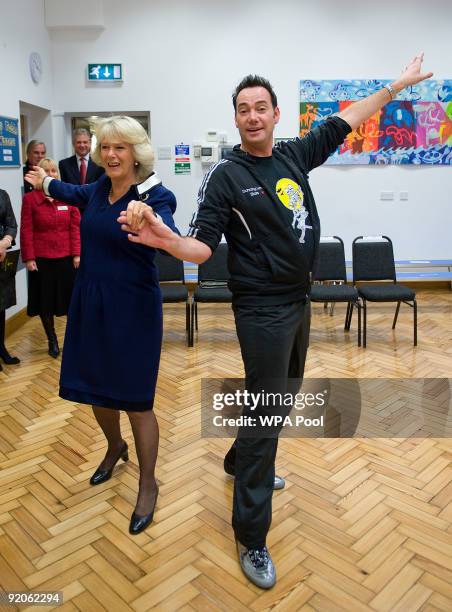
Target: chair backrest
215,269
170,268
331,262
373,259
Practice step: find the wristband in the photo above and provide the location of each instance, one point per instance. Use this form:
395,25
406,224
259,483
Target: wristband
45,186
390,89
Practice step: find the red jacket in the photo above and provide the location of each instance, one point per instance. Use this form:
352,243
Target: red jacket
48,228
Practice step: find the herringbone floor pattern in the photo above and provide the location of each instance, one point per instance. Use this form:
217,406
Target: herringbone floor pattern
363,524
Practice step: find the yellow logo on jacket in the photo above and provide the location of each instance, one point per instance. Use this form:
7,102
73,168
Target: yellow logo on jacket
289,193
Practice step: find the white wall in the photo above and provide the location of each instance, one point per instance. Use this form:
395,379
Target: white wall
183,58
22,30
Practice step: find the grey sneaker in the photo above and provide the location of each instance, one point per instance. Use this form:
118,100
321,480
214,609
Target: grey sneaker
257,565
279,483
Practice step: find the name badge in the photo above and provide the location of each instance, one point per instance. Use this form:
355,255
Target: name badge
62,208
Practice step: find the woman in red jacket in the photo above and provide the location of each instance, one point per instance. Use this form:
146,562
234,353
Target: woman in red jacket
50,244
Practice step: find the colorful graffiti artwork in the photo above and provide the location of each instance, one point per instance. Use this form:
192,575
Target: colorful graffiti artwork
415,128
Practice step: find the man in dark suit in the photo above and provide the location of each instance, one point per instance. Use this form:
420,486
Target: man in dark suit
36,150
79,169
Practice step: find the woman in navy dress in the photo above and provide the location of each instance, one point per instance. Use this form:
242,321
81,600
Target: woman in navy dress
114,332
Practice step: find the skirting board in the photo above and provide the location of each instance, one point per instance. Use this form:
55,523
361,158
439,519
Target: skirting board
16,321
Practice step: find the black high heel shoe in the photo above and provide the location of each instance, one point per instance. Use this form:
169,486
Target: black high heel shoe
54,349
7,358
139,523
100,476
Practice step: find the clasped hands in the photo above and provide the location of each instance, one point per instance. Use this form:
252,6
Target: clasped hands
144,226
134,217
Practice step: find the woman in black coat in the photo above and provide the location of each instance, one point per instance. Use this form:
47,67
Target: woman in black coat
8,231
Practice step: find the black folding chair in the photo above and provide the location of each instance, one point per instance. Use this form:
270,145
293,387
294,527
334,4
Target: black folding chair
212,287
330,280
373,260
171,271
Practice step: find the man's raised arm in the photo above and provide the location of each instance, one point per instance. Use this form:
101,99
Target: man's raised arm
358,112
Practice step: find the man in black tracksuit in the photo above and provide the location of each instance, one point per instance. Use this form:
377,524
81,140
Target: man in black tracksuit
266,210
259,198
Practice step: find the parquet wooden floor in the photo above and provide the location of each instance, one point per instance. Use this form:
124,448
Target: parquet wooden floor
363,524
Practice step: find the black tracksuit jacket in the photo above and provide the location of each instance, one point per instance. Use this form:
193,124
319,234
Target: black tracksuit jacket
266,260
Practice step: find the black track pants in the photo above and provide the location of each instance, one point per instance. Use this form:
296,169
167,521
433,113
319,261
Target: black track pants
274,342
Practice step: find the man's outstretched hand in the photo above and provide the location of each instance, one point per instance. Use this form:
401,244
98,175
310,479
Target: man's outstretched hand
412,73
360,111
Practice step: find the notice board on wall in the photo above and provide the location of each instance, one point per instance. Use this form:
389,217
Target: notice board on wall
9,142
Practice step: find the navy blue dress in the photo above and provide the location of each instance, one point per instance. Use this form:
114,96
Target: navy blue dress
113,336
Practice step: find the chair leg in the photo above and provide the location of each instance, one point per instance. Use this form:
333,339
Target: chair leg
332,309
187,321
196,316
396,315
415,321
364,324
192,332
348,316
359,323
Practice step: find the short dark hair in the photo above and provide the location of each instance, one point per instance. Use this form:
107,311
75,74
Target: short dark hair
254,80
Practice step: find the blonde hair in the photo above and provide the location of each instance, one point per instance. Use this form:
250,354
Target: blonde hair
126,129
50,162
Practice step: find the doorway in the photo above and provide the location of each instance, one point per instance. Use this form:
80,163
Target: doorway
35,124
88,121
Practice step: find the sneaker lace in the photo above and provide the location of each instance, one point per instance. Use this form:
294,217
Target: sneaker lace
258,557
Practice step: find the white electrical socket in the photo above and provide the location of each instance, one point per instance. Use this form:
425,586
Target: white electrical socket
386,195
403,196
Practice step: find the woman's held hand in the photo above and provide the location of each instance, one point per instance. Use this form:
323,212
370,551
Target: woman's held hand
150,231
